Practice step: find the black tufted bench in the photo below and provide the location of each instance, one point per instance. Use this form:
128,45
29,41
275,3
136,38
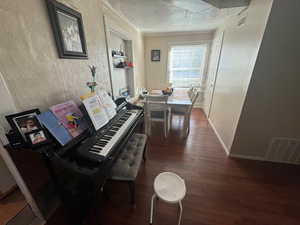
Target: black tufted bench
127,166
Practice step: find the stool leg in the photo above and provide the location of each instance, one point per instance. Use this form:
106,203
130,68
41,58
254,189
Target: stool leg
152,208
180,212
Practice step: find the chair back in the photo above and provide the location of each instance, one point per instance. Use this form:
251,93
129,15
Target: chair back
156,102
156,98
194,99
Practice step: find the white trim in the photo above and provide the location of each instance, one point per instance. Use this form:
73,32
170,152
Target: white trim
219,137
256,158
176,33
260,158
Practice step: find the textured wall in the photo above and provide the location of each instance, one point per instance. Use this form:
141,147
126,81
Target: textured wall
34,74
240,48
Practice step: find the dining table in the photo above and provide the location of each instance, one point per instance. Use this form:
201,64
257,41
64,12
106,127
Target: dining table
179,100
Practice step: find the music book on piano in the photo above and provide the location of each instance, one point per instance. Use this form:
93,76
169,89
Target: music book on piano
71,117
96,111
58,131
107,102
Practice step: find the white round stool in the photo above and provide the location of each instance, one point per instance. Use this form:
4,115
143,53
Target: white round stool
170,188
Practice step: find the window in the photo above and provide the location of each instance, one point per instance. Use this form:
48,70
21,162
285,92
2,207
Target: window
186,65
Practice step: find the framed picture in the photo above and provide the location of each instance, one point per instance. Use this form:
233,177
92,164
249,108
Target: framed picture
68,31
24,122
155,55
37,138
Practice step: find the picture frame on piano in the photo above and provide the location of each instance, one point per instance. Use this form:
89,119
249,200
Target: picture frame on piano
24,122
37,138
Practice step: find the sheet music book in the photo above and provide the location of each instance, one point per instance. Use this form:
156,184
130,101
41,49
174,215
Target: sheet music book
108,104
50,121
96,111
70,116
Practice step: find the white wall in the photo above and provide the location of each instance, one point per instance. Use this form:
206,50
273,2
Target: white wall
156,72
237,60
271,107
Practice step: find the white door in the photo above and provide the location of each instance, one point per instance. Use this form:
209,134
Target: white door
213,71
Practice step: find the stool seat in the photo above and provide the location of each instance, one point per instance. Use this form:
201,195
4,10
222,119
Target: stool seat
169,187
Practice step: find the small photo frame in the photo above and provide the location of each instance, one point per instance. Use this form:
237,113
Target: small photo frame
24,122
37,138
155,55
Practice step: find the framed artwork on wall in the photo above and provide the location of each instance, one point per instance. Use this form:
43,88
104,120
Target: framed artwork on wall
155,55
68,31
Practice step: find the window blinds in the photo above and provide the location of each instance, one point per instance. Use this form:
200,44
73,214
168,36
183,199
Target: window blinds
186,65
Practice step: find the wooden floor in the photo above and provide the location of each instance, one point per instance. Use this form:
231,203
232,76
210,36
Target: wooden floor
220,190
11,205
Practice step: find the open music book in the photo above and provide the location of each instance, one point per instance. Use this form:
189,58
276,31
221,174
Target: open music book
101,108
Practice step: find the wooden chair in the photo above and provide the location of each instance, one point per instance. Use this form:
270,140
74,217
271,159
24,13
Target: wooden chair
157,110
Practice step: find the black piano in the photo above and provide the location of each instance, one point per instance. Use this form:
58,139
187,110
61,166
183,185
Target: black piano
80,169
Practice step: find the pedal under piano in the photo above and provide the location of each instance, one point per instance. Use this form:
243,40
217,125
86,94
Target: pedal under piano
81,168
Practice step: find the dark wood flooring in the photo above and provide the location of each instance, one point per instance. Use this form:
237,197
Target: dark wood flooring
11,205
220,190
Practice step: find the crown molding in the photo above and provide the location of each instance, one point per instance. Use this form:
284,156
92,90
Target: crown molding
176,33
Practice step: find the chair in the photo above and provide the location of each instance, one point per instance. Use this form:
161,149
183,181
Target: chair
186,112
191,92
170,188
157,110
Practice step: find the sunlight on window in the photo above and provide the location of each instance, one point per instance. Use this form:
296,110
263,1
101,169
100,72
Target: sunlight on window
186,65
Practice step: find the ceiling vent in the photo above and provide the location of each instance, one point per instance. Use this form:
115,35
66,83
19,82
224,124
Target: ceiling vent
221,4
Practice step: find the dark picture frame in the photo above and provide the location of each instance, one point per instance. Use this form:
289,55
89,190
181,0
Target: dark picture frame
37,138
155,55
24,122
68,31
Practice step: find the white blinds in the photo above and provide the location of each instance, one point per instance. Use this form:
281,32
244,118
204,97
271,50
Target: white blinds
186,65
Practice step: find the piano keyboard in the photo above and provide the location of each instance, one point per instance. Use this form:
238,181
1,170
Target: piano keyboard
105,143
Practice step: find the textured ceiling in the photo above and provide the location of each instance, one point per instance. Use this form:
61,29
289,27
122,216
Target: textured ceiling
175,15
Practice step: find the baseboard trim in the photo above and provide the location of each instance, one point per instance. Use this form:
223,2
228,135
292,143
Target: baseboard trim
259,158
4,194
219,137
256,158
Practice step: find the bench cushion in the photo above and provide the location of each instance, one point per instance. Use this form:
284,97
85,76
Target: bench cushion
127,166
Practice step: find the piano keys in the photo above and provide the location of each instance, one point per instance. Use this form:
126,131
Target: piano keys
103,144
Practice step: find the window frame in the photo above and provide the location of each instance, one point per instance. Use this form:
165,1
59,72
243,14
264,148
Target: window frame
204,66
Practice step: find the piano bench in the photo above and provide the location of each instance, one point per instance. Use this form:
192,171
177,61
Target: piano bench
128,163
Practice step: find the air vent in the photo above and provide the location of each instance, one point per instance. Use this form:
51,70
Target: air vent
242,21
284,150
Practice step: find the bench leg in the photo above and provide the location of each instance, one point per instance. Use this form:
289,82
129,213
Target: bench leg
145,153
131,186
